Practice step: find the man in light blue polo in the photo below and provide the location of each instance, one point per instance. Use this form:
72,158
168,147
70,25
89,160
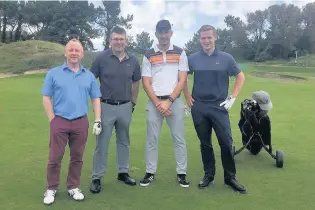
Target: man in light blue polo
70,86
210,103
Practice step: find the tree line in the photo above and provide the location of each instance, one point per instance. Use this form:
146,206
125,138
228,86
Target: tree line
279,31
59,21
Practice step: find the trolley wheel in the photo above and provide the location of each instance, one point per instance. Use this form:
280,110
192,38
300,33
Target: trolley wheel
279,159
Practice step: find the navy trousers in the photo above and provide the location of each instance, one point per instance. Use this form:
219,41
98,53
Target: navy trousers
205,117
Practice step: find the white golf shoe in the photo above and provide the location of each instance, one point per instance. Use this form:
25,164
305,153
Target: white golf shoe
49,196
76,194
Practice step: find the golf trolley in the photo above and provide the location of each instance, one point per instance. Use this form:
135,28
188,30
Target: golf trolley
256,133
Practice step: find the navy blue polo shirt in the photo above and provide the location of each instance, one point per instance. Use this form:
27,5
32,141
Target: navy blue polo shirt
70,91
211,75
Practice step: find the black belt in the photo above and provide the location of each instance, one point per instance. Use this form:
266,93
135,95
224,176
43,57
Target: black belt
111,102
164,97
71,119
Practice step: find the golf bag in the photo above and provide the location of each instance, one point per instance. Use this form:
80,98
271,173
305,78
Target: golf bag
255,127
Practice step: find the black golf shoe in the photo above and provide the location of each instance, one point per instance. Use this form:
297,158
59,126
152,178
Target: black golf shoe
235,185
205,182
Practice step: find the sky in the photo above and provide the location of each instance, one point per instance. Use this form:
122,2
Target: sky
187,16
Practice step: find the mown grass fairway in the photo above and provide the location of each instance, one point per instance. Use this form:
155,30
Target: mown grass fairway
24,153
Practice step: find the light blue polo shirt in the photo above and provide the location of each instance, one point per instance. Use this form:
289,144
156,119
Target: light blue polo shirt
211,75
70,90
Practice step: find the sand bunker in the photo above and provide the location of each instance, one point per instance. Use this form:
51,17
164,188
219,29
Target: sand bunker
278,76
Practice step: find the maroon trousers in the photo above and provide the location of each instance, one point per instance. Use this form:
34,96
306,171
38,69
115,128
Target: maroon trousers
75,133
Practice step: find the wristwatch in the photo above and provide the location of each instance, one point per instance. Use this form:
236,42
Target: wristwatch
171,99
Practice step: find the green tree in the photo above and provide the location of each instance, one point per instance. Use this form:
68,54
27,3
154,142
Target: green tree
193,45
285,29
143,42
307,40
108,17
74,20
9,12
256,28
223,42
131,44
52,21
238,28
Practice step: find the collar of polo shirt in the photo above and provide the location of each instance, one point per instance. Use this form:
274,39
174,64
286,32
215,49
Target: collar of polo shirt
65,66
111,53
156,49
215,52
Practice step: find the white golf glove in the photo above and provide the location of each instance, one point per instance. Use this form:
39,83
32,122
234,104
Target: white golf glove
97,127
228,102
187,110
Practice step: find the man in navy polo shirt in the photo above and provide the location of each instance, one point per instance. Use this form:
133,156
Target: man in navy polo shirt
70,86
210,103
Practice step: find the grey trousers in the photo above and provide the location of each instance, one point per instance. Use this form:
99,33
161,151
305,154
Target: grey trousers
118,116
176,125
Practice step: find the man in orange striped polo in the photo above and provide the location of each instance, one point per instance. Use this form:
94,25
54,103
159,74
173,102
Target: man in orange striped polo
164,74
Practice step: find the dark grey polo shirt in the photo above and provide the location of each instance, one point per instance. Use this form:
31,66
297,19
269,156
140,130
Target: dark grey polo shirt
116,77
211,75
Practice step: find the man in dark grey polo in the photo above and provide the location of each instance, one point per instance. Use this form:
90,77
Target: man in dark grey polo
210,103
119,75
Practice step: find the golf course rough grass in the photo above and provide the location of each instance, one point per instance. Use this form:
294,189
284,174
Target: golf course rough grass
19,57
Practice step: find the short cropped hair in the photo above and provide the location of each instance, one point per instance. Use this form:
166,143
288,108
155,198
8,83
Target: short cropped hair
118,30
74,40
208,28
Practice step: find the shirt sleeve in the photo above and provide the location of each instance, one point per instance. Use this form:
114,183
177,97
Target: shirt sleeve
95,90
48,86
146,67
136,74
183,62
234,68
95,68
